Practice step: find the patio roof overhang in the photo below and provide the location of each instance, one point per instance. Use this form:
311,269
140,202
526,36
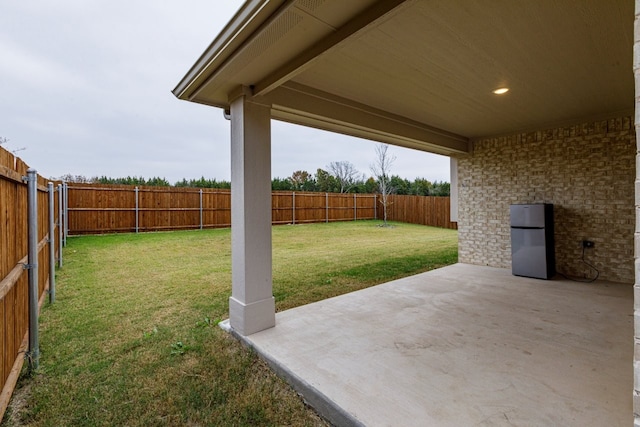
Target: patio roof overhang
420,74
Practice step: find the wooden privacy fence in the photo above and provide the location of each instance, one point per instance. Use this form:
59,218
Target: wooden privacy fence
301,207
425,210
20,261
95,209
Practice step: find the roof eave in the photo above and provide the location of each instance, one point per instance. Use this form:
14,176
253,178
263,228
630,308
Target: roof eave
251,15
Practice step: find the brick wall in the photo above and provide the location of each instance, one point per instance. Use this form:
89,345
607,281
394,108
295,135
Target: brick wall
587,171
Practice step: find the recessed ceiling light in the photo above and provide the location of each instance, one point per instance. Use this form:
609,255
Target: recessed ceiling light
501,90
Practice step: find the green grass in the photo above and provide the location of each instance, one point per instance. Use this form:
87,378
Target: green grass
132,338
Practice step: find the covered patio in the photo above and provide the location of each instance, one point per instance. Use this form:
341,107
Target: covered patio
462,345
534,102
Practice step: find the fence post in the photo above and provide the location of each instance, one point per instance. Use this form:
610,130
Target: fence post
294,208
65,227
136,192
201,225
60,225
326,203
375,206
52,244
355,209
32,266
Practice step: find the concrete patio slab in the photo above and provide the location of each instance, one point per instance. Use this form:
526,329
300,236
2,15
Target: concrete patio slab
462,346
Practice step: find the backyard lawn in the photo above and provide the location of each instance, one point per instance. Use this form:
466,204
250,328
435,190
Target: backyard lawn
132,338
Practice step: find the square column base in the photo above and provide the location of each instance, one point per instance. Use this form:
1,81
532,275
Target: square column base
247,319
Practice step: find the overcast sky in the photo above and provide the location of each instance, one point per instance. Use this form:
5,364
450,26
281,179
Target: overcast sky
85,88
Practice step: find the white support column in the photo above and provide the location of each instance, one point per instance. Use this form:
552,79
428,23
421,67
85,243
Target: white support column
251,306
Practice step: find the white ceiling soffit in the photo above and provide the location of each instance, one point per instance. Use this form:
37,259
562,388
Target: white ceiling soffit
428,64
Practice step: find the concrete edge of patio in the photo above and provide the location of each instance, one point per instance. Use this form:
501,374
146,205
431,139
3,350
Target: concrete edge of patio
325,407
404,350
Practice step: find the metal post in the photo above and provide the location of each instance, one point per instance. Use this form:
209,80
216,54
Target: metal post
60,225
65,191
201,225
136,191
355,209
294,208
326,203
52,244
32,266
375,206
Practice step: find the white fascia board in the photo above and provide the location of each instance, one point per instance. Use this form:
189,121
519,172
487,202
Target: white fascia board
251,15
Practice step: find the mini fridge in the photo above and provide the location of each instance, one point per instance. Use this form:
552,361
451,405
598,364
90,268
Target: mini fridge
532,245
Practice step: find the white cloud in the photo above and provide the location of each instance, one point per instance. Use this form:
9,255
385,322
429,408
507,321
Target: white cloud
86,87
20,66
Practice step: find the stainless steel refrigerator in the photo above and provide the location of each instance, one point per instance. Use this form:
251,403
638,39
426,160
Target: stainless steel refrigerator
532,245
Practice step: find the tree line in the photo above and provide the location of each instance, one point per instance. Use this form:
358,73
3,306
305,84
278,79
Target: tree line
321,181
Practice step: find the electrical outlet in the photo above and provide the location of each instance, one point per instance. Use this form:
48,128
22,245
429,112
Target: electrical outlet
588,244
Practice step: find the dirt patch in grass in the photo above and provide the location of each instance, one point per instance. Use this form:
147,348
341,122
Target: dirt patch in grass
19,401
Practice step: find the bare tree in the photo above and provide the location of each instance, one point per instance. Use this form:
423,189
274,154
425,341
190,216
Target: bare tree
381,170
345,173
5,140
78,179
